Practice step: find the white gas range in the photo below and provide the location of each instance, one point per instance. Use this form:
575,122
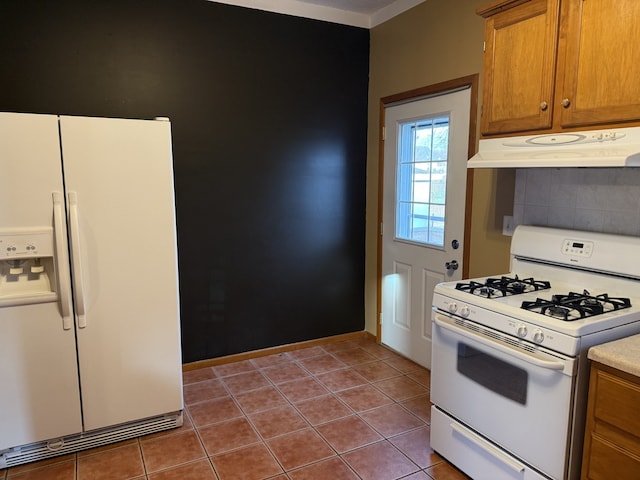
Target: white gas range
509,371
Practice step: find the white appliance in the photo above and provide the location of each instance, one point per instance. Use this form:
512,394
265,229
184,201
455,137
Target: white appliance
618,147
89,317
509,371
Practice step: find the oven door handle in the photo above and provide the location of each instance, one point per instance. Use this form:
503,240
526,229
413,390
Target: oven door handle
532,359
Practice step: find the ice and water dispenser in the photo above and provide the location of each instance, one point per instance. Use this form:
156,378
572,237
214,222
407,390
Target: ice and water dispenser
27,266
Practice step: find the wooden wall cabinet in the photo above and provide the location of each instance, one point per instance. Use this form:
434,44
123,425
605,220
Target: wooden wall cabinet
551,65
612,435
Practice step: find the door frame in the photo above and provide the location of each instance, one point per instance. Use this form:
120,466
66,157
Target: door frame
470,81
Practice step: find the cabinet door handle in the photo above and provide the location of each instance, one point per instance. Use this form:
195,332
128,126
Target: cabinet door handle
544,106
566,102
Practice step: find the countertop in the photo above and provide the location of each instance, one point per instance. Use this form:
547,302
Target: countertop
623,354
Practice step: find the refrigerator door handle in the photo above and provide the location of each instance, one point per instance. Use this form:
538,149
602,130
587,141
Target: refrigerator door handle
74,228
64,289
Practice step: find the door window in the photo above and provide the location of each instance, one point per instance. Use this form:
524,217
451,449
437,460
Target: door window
423,151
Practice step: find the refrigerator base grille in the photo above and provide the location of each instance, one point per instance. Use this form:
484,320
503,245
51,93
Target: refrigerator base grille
96,438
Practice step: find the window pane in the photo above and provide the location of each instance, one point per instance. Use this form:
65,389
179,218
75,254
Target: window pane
441,139
422,182
436,225
423,151
405,182
439,183
423,144
403,219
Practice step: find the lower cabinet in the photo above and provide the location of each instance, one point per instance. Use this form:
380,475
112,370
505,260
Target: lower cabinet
612,435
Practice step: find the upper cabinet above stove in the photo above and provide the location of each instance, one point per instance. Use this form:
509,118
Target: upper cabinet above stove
560,65
519,65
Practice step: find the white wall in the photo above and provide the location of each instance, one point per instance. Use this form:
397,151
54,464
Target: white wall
592,199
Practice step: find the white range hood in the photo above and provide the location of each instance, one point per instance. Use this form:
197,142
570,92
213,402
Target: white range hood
594,148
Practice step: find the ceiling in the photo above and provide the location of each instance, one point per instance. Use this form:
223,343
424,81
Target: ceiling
368,7
358,13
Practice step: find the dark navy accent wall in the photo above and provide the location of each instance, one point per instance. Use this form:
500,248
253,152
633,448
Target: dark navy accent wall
269,120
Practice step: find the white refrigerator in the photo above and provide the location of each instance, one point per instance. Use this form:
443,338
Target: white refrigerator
89,308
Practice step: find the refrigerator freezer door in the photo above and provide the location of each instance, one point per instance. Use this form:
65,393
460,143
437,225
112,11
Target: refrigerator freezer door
40,399
119,176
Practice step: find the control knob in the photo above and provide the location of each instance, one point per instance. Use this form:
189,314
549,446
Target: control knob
453,307
522,331
538,336
464,311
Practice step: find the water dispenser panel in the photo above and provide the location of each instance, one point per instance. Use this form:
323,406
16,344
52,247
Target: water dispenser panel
26,243
27,266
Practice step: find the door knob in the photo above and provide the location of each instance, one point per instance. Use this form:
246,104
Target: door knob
452,265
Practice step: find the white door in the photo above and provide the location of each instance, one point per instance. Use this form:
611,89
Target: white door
119,187
425,161
40,398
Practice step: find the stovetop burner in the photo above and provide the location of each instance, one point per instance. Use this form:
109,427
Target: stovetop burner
576,306
503,286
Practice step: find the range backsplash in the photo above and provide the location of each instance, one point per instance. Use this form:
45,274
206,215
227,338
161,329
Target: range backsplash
592,199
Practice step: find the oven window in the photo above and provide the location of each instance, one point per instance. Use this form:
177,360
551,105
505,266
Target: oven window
497,375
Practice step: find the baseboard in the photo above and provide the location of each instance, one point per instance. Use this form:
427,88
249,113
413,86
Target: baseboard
279,349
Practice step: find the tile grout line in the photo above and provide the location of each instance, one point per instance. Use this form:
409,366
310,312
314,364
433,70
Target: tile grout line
334,394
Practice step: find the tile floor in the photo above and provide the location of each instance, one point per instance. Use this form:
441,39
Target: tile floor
342,411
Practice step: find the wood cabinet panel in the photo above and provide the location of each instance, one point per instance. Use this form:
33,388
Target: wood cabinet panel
617,402
519,66
560,65
608,461
612,436
599,62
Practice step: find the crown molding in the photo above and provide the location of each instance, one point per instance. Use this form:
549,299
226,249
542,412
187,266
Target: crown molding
327,14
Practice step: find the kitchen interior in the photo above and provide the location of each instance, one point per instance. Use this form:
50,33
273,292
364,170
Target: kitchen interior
268,126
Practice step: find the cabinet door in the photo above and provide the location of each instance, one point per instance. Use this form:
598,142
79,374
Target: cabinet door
600,62
519,67
612,434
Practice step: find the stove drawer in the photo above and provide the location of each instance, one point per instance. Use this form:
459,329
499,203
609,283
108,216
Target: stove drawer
473,454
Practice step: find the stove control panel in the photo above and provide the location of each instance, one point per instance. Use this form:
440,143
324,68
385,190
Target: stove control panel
578,248
521,329
533,334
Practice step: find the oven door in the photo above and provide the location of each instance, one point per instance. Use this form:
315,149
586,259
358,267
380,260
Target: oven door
517,396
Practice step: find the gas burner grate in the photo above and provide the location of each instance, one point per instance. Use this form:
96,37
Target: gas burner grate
477,288
576,306
503,286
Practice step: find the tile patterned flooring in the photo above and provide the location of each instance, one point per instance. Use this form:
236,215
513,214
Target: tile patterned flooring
342,411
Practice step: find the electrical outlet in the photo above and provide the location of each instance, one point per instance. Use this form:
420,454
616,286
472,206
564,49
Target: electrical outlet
507,225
